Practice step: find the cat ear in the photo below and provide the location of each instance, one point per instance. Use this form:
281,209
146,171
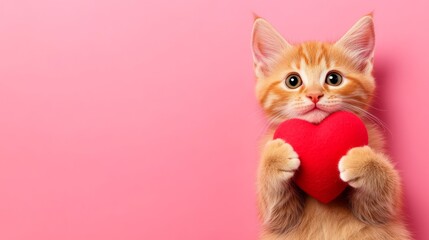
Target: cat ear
359,41
267,47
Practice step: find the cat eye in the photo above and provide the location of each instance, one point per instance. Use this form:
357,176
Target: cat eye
293,81
334,79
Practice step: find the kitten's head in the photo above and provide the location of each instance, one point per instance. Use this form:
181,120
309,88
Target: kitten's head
313,79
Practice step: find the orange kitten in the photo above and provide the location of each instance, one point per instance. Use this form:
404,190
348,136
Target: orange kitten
310,81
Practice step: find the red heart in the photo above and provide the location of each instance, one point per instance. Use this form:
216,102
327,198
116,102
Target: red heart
320,147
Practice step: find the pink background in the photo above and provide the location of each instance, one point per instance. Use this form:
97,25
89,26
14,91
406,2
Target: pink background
130,119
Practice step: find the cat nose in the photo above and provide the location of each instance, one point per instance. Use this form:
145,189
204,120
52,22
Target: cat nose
315,97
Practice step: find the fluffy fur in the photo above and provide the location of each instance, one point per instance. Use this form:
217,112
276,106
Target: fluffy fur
371,206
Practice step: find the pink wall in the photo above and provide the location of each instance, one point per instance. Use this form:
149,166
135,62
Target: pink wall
137,119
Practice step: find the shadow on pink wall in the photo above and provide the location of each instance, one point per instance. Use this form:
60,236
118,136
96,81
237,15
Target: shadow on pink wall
384,69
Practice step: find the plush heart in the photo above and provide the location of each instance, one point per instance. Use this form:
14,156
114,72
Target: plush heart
319,148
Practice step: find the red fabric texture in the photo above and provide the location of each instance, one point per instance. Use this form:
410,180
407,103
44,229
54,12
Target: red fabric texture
320,147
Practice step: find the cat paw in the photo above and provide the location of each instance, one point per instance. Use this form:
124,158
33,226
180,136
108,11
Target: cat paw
280,159
358,166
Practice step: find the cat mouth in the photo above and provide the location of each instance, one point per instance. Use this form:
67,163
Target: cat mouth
314,115
314,109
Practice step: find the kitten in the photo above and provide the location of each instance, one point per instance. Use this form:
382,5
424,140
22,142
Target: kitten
310,81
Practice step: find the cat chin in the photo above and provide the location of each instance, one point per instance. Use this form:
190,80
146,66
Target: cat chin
314,116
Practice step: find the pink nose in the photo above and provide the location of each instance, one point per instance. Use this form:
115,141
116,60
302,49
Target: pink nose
315,97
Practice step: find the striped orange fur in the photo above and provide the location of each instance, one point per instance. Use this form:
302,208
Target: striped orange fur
309,81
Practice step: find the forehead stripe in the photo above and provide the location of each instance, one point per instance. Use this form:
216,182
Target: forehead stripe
302,54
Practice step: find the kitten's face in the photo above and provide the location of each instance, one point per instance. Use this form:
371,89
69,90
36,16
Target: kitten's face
311,80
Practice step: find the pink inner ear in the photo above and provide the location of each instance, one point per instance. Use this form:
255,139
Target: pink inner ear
259,51
268,45
263,55
364,45
360,41
367,43
262,49
258,55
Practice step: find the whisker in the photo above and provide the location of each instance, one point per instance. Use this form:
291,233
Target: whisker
367,115
364,103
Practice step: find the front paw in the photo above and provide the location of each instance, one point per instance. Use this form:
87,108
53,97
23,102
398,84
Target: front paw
280,160
361,166
376,182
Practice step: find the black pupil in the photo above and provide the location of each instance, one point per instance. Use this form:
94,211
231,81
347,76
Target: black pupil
293,81
333,78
